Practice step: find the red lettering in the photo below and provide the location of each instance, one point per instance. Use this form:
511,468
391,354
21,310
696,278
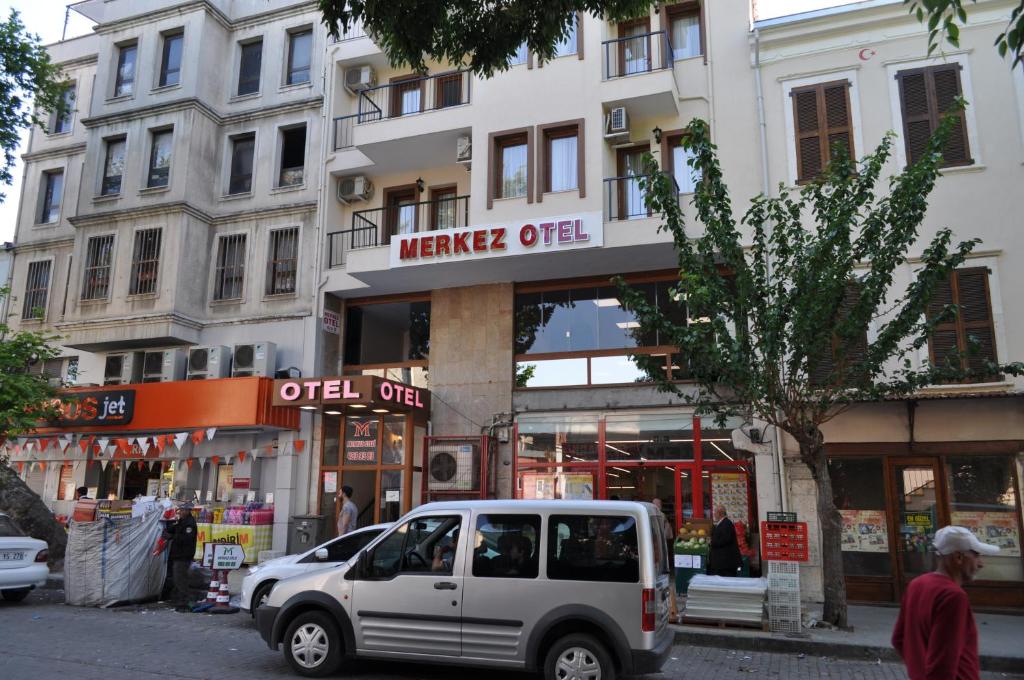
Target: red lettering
460,245
565,231
408,397
427,246
498,238
441,244
528,235
547,228
479,240
407,249
578,233
89,408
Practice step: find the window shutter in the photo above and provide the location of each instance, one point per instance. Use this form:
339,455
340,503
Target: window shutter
975,316
946,81
808,134
943,342
821,117
925,97
828,359
917,115
837,114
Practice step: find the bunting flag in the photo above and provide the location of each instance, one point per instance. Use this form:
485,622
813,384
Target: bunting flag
161,442
42,465
104,463
197,436
142,465
144,445
299,445
241,456
84,443
210,431
179,439
122,446
103,443
21,468
28,445
65,442
189,462
43,443
216,460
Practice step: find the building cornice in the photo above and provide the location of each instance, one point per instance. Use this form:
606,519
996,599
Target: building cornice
87,60
56,152
44,244
224,20
121,320
187,208
276,211
194,103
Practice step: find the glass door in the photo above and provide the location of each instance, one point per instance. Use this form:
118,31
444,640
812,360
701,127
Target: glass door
919,513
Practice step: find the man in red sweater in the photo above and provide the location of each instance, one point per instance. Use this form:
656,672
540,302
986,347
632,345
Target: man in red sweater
935,632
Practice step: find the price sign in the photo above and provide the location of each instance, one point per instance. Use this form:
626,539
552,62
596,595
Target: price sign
781,516
784,541
227,556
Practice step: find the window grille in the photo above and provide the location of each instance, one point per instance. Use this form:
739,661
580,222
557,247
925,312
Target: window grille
37,285
145,261
281,261
98,257
230,267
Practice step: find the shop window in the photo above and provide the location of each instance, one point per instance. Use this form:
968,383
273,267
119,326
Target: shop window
983,498
361,440
716,439
636,437
390,495
388,333
593,548
393,441
859,493
557,439
506,546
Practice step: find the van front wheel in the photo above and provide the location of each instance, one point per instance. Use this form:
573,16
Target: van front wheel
312,645
578,657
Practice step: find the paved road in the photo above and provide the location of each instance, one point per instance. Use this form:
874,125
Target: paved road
41,639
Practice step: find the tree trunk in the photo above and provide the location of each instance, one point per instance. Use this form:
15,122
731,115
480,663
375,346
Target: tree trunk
30,513
812,452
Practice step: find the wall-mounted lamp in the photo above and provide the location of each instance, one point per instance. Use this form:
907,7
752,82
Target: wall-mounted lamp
419,184
657,135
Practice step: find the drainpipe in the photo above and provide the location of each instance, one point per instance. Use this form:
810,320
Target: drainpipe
762,127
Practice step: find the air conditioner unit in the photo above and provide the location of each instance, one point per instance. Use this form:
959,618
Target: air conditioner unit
120,369
616,123
355,188
163,365
464,149
452,468
257,358
359,78
206,363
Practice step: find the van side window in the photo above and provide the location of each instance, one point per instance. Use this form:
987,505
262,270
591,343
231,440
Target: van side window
424,545
593,548
507,546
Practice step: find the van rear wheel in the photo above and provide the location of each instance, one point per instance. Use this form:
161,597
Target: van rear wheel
312,645
578,657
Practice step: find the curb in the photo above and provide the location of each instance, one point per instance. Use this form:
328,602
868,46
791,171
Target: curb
839,650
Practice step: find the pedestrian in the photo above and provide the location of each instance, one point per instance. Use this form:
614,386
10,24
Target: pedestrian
82,493
724,557
349,512
935,632
181,535
669,532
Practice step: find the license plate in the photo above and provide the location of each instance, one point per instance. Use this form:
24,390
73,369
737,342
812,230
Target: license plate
11,556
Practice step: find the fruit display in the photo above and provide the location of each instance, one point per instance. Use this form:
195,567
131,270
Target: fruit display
694,535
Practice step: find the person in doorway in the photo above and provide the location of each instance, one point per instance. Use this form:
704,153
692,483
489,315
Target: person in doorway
724,557
181,536
935,632
81,494
349,512
666,528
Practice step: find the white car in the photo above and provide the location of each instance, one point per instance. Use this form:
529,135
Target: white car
22,561
261,578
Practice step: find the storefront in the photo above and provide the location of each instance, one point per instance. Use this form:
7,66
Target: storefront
371,432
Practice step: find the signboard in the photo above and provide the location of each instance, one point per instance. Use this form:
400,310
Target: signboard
207,551
241,482
781,516
730,489
996,528
544,235
864,531
361,440
784,541
332,322
330,482
227,556
109,407
392,496
366,389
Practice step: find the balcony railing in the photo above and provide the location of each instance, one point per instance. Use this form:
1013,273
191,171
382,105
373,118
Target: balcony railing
376,226
354,32
625,199
636,54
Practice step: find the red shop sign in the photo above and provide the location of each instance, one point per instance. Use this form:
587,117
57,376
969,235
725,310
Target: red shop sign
240,482
784,541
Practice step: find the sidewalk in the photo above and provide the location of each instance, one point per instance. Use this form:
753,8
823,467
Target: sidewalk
1000,638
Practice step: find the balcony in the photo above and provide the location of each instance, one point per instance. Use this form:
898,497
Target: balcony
374,227
355,46
637,73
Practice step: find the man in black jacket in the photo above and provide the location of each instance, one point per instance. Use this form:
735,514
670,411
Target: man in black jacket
181,535
724,558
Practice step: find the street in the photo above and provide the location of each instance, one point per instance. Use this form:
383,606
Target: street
42,639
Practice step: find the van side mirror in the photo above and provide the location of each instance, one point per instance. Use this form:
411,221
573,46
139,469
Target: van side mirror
321,555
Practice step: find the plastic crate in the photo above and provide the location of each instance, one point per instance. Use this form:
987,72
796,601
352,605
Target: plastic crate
784,612
778,567
784,596
784,582
784,626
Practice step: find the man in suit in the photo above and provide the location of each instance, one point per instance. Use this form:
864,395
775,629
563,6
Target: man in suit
724,558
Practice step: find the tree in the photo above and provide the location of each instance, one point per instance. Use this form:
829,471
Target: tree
946,16
483,36
26,398
30,86
779,311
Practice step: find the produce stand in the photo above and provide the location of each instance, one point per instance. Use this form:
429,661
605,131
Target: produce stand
691,551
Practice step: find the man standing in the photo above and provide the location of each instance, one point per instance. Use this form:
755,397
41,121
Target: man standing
349,512
935,632
182,536
724,558
81,494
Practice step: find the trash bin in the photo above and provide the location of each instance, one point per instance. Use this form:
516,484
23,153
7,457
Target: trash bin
697,558
305,532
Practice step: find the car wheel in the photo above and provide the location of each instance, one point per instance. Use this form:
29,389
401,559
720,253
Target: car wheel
578,657
312,645
259,596
16,595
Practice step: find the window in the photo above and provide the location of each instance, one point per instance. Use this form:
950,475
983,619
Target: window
293,156
53,188
684,31
448,91
444,205
562,163
393,332
242,148
98,260
346,547
507,546
113,167
145,261
281,261
557,439
512,166
860,498
520,56
821,117
406,95
124,79
37,285
593,548
966,341
567,45
686,177
60,123
230,267
160,159
170,62
426,545
838,355
249,67
300,50
926,95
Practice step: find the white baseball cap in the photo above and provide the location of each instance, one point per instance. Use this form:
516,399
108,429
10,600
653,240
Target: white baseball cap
949,540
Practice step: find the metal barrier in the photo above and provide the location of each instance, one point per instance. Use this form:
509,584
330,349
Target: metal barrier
354,32
414,95
625,198
636,54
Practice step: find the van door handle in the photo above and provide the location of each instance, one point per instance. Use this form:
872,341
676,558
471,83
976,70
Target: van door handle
445,585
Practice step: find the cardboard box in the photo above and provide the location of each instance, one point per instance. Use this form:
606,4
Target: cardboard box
85,511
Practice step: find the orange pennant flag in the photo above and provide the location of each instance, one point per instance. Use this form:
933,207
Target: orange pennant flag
21,467
42,465
83,444
161,442
190,461
300,445
215,459
197,436
241,456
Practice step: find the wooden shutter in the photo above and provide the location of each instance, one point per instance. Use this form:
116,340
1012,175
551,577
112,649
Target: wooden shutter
926,95
968,339
828,359
821,119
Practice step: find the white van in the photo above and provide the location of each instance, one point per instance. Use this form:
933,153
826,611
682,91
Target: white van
577,589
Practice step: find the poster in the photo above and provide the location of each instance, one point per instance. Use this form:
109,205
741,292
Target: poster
361,440
538,486
864,531
730,489
578,486
997,528
330,482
